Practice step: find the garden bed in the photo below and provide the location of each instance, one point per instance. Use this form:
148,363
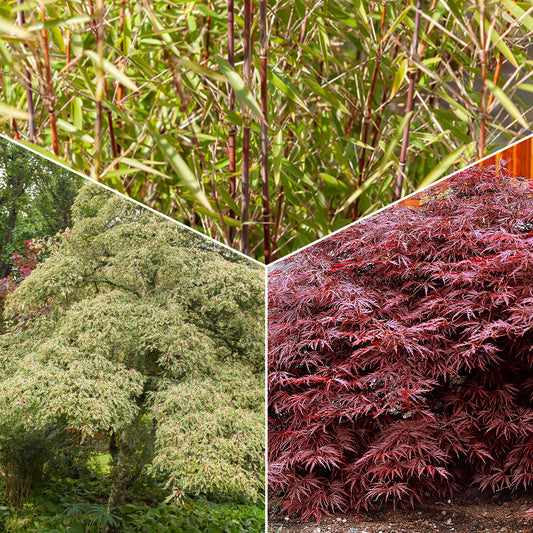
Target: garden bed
469,512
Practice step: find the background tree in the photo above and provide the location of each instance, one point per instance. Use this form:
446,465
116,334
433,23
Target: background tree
128,328
35,200
36,197
400,365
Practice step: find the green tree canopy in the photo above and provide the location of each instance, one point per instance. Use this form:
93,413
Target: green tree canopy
35,199
129,322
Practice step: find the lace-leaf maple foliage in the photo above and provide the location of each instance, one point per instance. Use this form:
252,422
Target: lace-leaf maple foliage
400,360
131,320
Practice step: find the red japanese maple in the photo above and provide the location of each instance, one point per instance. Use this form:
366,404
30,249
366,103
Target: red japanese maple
400,353
23,265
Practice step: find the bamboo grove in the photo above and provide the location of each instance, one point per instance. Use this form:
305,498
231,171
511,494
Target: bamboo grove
266,124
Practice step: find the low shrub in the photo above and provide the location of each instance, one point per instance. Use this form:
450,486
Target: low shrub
78,505
400,360
198,516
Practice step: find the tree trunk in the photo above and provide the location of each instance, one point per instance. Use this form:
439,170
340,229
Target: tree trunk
16,189
123,473
113,446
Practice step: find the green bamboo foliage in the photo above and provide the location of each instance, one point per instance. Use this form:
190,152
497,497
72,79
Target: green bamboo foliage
150,98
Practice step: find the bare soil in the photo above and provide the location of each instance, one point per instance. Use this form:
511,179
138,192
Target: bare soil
469,512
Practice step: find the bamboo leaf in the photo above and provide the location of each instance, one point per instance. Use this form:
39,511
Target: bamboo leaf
242,92
391,145
210,13
498,42
443,166
43,152
525,87
30,4
7,112
213,214
77,112
187,63
168,147
359,191
335,182
230,202
457,109
518,13
75,132
113,71
324,43
144,166
507,103
12,30
281,81
53,23
7,59
277,155
397,21
399,77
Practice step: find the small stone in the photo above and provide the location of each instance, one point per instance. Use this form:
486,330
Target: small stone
286,518
449,521
344,520
339,519
316,530
443,513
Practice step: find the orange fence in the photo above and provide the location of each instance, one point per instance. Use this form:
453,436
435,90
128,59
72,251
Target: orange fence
518,159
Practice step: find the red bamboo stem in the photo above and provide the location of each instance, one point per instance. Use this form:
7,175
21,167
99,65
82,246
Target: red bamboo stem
245,178
368,114
264,131
232,133
483,127
27,83
409,106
